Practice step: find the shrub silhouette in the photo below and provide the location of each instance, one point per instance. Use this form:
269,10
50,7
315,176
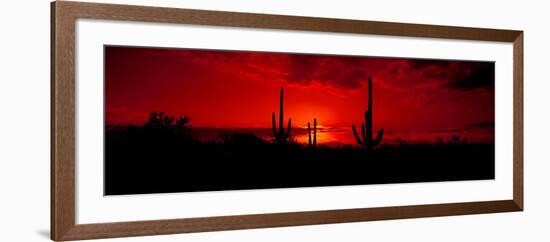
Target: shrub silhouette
183,126
280,136
366,140
161,157
160,124
457,140
241,139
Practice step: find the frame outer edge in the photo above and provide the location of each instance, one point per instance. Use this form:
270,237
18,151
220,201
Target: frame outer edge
62,121
207,224
518,188
63,20
286,22
53,215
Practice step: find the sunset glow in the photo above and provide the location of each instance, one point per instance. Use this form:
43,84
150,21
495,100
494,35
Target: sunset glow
213,120
229,89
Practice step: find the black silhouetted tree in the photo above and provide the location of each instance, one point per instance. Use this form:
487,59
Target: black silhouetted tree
161,124
457,140
183,126
157,120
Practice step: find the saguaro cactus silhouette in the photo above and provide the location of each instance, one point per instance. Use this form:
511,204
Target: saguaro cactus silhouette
310,144
280,136
366,139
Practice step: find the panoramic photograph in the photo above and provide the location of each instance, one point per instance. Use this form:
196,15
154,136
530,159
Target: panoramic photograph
192,120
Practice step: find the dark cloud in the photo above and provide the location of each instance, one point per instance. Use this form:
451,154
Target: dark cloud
421,64
344,72
486,124
479,75
454,74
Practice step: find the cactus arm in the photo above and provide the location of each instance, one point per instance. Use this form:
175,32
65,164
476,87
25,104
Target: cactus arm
314,132
281,109
287,135
378,138
357,138
274,124
308,133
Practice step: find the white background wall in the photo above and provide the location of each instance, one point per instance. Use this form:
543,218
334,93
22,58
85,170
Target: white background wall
24,120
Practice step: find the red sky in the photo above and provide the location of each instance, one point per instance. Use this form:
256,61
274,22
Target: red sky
241,89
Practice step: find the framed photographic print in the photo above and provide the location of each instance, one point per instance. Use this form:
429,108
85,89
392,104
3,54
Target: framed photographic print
173,120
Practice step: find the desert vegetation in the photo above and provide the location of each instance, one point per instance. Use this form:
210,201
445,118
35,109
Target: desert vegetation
163,155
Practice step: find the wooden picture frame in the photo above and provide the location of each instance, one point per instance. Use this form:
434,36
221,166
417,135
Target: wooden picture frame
63,17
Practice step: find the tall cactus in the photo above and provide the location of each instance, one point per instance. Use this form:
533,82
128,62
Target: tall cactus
310,144
366,138
280,136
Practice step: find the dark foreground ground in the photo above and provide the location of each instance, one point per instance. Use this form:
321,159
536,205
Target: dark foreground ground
137,164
